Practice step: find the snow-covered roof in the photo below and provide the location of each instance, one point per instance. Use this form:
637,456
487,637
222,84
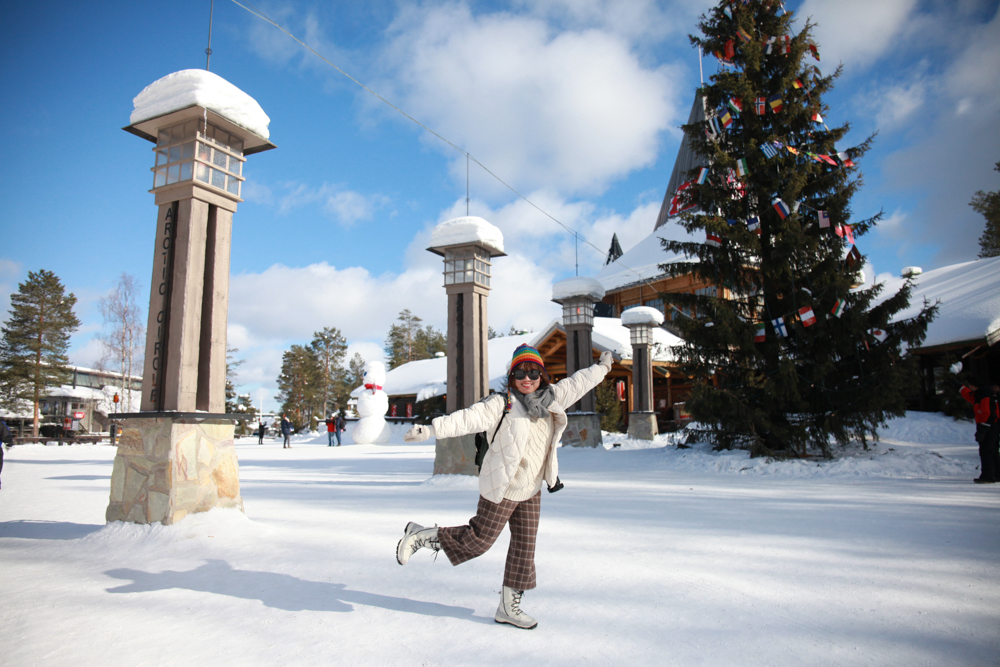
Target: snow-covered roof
640,262
969,296
642,315
196,87
427,377
577,286
611,335
467,229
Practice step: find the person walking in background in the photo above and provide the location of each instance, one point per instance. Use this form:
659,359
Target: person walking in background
986,411
331,428
521,455
339,425
286,431
6,440
261,429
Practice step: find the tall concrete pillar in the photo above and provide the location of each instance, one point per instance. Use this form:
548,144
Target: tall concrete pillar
176,455
577,297
642,418
468,246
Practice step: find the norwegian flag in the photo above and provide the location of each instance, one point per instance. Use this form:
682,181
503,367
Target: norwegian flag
776,103
760,335
781,207
769,150
824,219
680,203
713,239
779,327
760,106
807,316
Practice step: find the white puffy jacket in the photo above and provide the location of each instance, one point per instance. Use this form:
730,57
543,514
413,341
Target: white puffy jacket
507,450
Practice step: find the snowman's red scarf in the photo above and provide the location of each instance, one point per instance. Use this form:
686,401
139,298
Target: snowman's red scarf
374,387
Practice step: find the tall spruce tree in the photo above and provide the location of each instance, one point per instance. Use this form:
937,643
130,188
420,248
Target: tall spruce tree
788,350
36,339
329,346
298,384
988,205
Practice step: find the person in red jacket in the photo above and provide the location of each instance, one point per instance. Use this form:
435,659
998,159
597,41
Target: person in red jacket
986,411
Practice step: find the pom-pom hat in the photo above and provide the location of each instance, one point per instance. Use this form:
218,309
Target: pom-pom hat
526,353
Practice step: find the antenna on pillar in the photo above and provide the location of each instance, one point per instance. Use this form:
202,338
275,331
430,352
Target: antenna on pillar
466,184
208,51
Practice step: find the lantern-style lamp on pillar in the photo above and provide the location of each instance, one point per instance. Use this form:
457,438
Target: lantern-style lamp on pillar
468,246
176,456
577,297
641,321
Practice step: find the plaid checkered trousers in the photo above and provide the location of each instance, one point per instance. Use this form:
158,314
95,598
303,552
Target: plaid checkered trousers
462,543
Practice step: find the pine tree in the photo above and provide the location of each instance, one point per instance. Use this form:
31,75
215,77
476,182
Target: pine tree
329,346
988,205
298,384
36,339
400,342
774,175
232,364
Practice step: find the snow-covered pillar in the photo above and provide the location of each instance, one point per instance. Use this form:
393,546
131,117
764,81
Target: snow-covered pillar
468,246
577,297
642,418
176,456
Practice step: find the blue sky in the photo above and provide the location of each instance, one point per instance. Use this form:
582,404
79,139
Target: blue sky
575,103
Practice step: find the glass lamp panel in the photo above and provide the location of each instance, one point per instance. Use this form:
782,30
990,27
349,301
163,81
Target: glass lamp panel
219,179
173,174
175,153
161,157
487,283
233,185
187,150
219,158
204,152
468,276
449,278
236,145
235,166
186,170
163,137
160,177
202,172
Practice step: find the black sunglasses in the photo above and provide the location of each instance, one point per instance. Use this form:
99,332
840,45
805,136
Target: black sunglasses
533,374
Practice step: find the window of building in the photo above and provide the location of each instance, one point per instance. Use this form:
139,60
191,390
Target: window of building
198,150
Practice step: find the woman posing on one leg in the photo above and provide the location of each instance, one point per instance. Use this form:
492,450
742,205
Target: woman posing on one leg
524,427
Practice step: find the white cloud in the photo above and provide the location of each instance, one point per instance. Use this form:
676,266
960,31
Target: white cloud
568,111
857,32
346,206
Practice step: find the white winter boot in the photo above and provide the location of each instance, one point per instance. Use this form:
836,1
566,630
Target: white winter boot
509,610
416,537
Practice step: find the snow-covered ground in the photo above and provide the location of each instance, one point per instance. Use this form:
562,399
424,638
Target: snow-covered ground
652,555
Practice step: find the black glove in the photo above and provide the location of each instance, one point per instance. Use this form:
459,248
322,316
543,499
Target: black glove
555,487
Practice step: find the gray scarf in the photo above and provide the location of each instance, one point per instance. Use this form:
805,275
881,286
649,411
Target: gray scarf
537,402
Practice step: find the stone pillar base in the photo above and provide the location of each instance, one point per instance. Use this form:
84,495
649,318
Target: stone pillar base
456,456
583,430
642,425
167,468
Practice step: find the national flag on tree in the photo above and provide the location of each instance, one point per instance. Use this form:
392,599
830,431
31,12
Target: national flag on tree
816,117
743,35
726,118
838,308
814,49
735,105
827,159
760,106
849,234
776,103
753,224
793,151
730,49
879,334
761,335
779,327
741,167
824,219
713,239
845,158
702,176
853,257
679,203
807,316
797,84
732,221
781,207
769,150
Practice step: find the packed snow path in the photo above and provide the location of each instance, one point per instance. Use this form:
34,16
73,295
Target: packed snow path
650,556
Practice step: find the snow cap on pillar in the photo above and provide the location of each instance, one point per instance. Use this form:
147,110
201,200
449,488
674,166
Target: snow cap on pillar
577,287
192,92
642,315
467,230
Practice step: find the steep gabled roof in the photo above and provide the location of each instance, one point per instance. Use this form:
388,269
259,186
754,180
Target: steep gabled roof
686,160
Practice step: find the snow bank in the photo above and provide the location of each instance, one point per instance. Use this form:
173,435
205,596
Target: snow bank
195,87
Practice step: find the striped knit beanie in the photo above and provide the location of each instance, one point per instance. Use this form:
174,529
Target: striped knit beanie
526,353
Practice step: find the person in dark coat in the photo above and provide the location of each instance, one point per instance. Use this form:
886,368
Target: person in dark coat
339,425
7,438
286,430
986,411
261,429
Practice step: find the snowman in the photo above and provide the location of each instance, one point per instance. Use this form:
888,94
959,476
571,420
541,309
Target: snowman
373,403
